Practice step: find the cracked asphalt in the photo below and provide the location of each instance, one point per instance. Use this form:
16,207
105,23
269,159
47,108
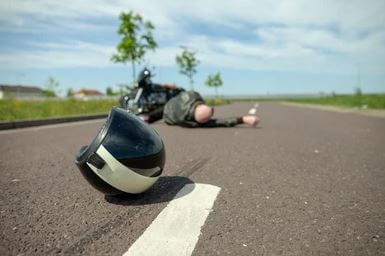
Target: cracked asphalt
304,182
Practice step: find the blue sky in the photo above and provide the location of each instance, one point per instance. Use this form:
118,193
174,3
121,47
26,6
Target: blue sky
260,47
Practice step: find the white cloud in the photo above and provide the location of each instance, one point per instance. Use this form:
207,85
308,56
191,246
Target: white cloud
34,13
346,14
288,35
57,55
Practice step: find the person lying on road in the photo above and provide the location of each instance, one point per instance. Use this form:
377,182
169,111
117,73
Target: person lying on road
188,109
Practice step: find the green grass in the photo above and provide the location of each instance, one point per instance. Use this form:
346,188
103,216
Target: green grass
370,101
217,101
12,109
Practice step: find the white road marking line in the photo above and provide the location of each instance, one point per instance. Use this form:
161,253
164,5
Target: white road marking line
49,126
252,111
177,228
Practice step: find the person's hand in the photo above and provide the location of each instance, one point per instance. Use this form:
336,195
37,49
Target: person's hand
251,120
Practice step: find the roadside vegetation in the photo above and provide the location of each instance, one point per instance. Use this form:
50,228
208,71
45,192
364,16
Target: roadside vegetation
358,100
218,101
13,109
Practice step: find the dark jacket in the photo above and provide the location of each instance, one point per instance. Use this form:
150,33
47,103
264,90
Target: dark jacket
180,111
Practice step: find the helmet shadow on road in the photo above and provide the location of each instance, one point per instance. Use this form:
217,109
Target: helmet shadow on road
164,190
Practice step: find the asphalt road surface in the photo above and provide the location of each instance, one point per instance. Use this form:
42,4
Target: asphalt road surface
305,182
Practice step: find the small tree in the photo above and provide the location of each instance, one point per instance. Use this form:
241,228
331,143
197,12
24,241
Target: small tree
358,92
70,92
51,87
109,91
214,81
187,63
137,38
123,89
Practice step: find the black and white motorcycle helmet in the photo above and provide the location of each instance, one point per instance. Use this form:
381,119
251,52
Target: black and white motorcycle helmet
126,156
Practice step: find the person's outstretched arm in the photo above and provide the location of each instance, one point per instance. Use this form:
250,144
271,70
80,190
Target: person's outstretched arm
231,121
223,122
